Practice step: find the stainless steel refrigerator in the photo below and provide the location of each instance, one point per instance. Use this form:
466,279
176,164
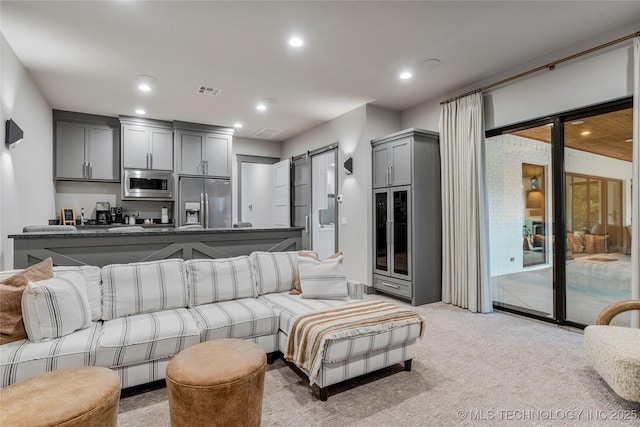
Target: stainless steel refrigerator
205,201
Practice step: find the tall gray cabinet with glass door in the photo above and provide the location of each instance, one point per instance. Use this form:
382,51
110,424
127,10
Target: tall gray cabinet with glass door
407,212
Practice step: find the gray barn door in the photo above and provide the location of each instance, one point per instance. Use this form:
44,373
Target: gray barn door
301,197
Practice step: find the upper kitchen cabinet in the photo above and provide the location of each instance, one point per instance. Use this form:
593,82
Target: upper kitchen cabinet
392,163
87,147
146,144
203,150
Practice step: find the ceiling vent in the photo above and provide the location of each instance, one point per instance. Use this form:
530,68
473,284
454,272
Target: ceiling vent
209,91
267,133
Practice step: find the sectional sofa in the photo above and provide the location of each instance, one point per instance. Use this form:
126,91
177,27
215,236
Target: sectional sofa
144,313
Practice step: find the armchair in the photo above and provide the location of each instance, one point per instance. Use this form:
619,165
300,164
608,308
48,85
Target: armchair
596,243
614,351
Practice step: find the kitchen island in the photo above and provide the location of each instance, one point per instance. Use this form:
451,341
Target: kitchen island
101,247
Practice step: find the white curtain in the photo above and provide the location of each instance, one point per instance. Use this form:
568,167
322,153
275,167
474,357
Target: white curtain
635,193
465,248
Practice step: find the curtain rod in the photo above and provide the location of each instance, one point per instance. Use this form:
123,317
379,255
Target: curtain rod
550,66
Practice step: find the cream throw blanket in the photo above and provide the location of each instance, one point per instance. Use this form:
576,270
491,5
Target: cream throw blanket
310,332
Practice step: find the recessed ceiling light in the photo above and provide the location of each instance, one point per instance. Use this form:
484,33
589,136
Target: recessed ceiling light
296,41
144,82
585,133
405,75
577,122
264,103
141,111
429,63
237,125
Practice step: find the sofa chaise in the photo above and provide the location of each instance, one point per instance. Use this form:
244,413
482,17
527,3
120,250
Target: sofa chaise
142,314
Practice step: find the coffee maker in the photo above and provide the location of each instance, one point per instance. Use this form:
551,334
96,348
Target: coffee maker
103,213
116,215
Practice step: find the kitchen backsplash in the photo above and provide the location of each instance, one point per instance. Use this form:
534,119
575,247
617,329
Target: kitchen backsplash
78,195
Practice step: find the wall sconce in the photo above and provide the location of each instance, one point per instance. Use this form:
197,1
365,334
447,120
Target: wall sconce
13,135
348,166
535,184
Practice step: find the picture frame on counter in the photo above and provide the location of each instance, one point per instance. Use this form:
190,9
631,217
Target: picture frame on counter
67,216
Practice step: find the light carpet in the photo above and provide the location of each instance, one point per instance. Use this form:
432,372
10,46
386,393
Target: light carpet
470,369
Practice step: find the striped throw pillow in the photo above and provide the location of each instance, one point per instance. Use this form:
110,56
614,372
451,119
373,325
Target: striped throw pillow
143,287
324,279
274,271
307,257
213,280
55,307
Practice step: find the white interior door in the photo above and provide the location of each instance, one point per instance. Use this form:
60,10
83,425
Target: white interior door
323,203
281,194
256,194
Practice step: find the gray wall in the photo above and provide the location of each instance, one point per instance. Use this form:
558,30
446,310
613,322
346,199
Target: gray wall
353,131
26,187
250,147
591,79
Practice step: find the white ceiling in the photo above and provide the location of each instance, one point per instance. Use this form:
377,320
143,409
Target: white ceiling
85,55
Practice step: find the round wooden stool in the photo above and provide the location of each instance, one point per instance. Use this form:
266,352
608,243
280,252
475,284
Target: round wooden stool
217,383
80,396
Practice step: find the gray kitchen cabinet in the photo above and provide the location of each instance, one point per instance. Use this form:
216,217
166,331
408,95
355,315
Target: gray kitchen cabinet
190,148
203,150
392,163
146,144
217,155
407,215
70,150
103,153
87,147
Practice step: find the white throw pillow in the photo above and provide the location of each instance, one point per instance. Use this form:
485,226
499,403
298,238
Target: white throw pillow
214,280
143,287
324,279
55,307
274,271
92,281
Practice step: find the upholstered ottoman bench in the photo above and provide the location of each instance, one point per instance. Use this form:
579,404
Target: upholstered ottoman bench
333,341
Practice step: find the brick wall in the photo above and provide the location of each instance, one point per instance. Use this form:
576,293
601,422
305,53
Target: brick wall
505,155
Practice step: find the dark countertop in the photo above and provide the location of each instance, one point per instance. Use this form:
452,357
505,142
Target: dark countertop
156,230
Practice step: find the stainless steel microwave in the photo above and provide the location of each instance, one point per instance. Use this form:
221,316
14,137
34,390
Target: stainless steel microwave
147,184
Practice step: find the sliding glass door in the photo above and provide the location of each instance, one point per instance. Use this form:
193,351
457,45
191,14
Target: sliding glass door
559,197
598,168
521,235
